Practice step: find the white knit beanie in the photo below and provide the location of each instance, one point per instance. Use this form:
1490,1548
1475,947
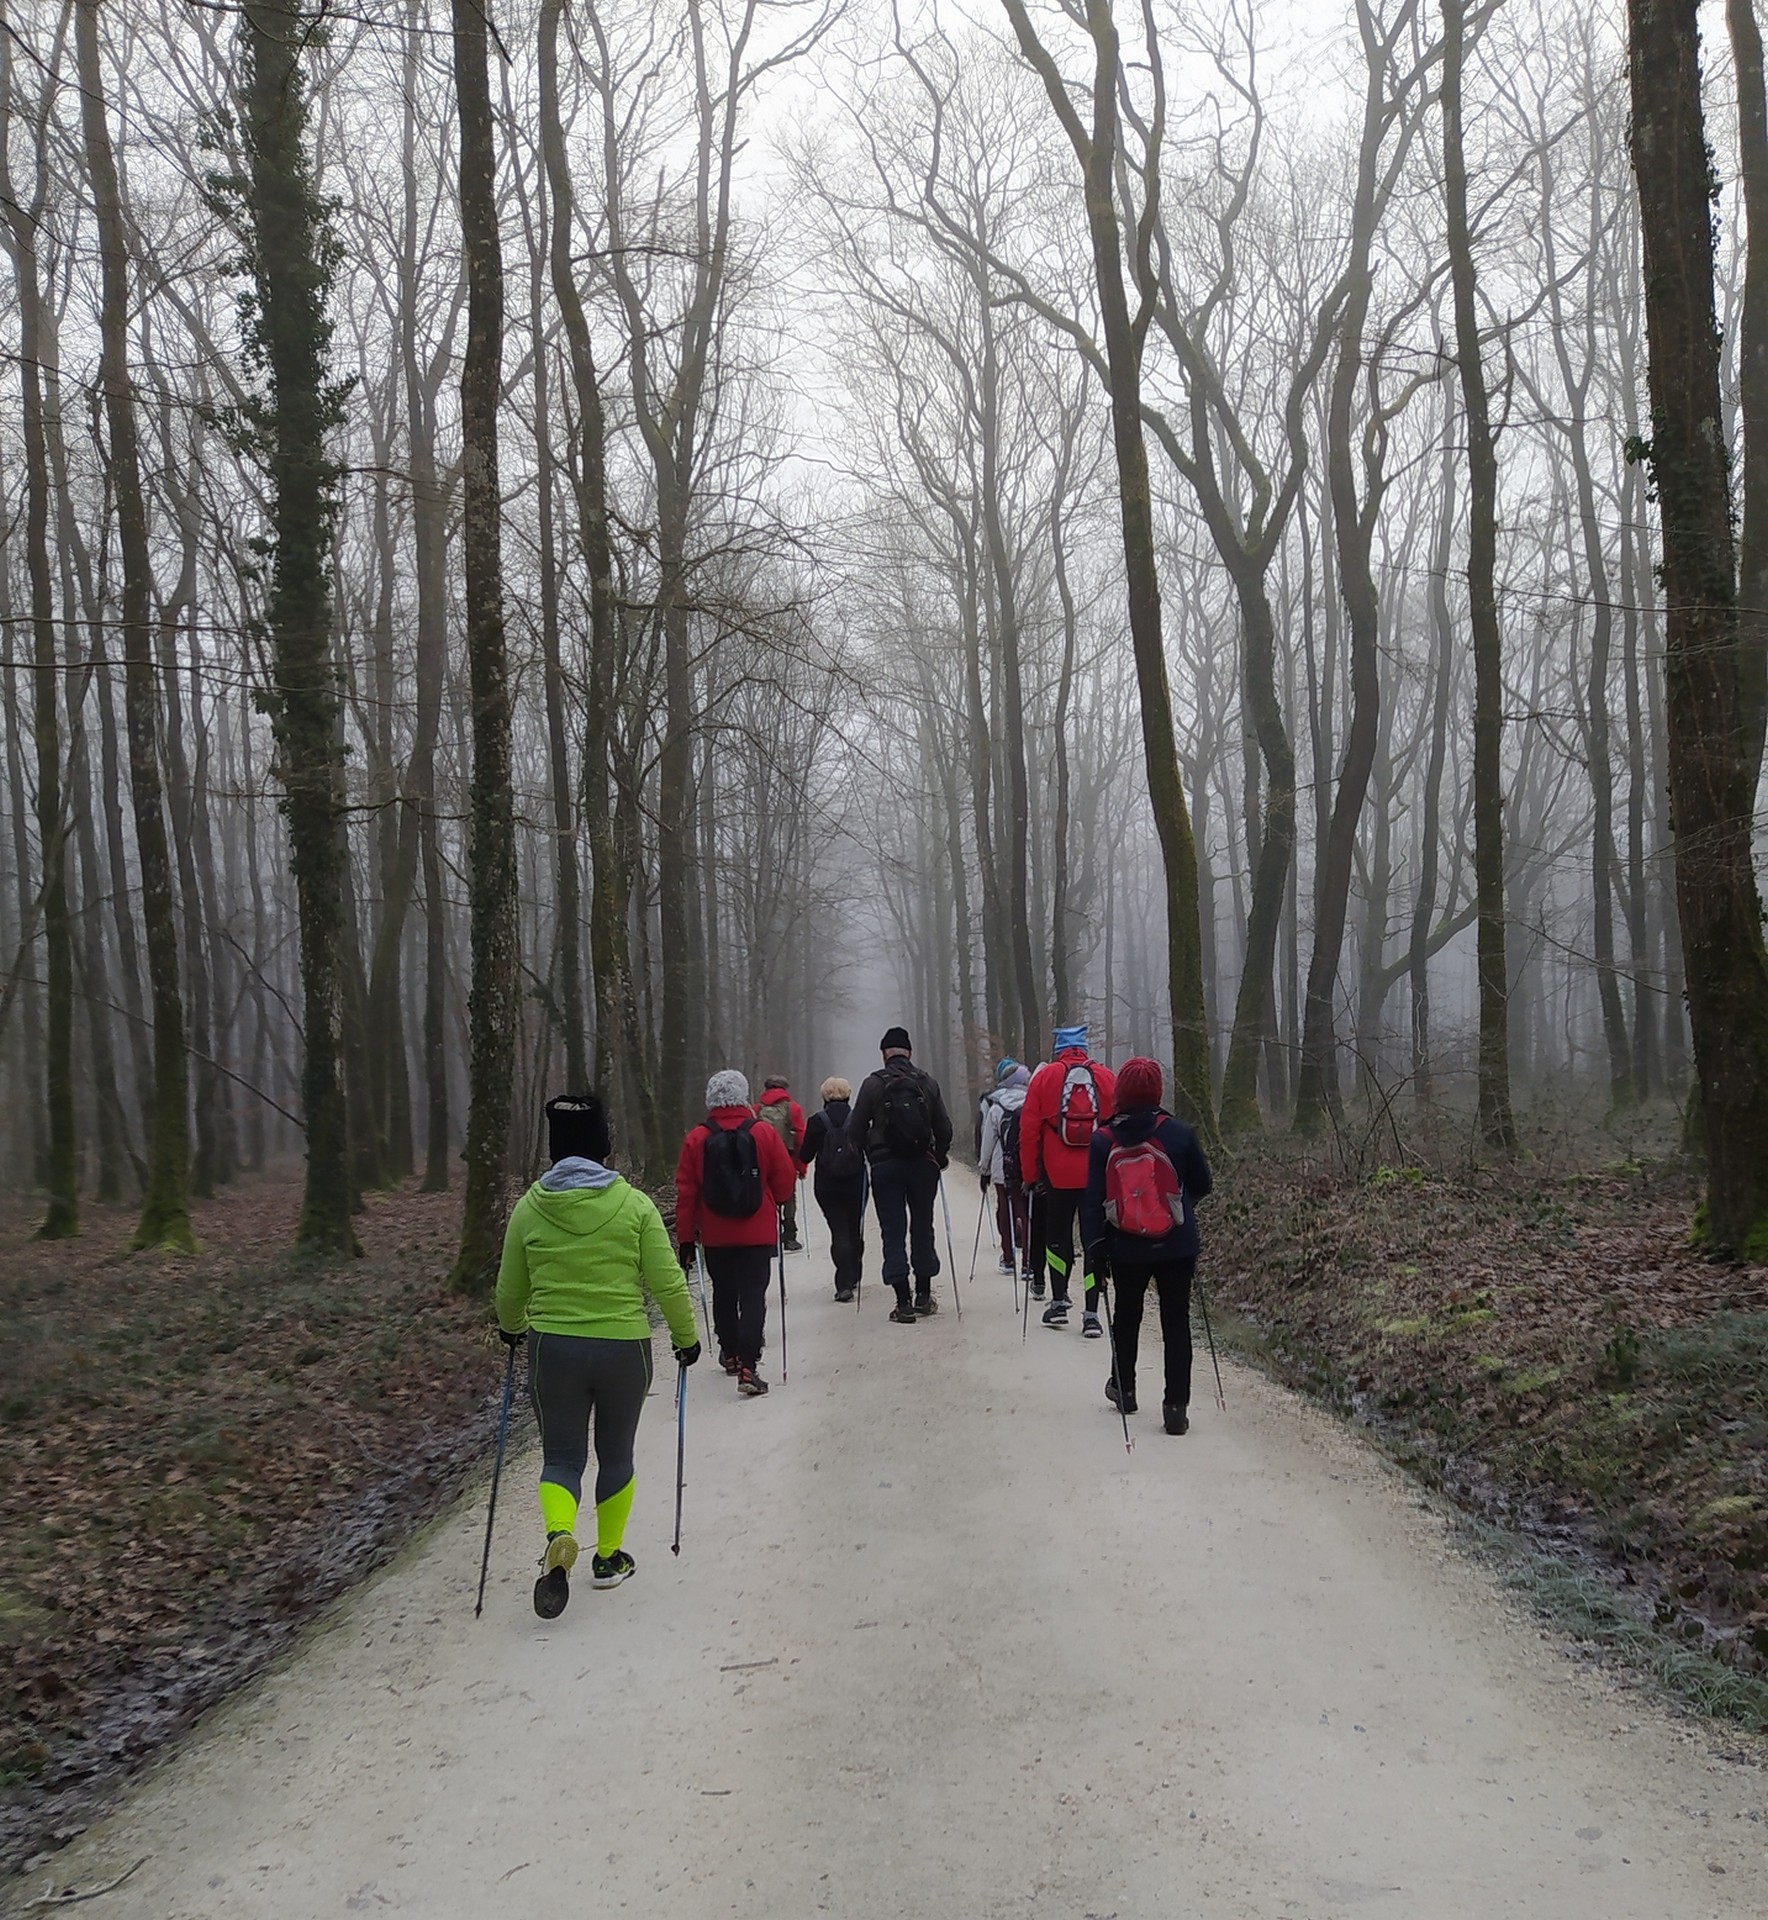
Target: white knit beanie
727,1089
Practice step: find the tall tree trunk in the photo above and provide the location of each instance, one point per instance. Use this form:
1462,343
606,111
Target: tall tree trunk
1712,776
36,354
165,1206
618,1029
1431,828
1497,1122
492,844
291,267
1124,336
1752,377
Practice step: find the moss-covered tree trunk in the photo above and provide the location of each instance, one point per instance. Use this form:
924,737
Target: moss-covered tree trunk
291,259
1712,774
491,851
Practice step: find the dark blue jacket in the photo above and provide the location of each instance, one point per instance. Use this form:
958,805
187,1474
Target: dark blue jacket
1179,1144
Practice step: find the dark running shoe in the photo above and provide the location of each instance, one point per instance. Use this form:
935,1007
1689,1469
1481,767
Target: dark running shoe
844,1296
1176,1422
552,1591
903,1314
925,1305
794,1245
729,1362
750,1384
1036,1285
1004,1264
1090,1327
610,1572
1126,1402
1055,1315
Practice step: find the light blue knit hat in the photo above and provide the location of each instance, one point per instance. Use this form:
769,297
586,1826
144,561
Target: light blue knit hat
1003,1067
1071,1037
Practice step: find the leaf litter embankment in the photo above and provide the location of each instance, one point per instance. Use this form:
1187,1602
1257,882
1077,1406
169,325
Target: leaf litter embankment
196,1454
1552,1354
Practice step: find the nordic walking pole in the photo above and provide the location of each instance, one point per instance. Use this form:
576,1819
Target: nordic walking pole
977,1247
945,1207
1203,1302
681,1448
503,1430
785,1373
865,1194
705,1310
1013,1248
1129,1446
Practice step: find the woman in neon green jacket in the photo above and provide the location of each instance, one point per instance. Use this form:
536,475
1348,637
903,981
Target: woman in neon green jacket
582,1250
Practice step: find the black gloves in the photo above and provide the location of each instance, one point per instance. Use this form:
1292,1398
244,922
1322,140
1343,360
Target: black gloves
686,1356
985,1183
685,1254
510,1339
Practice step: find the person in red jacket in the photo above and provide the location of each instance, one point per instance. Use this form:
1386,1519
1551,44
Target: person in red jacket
786,1117
1069,1099
733,1177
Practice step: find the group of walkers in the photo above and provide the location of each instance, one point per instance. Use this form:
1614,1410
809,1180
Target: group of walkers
1085,1165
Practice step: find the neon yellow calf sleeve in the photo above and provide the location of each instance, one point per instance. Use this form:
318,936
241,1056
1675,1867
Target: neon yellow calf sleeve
557,1508
611,1516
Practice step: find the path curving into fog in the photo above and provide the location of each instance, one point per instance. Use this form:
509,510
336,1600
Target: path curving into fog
935,1646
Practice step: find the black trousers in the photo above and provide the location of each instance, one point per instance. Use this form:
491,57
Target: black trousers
904,1192
1054,1211
1012,1217
740,1278
1172,1282
844,1207
573,1381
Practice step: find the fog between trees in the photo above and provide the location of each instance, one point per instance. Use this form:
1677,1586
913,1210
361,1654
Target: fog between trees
591,542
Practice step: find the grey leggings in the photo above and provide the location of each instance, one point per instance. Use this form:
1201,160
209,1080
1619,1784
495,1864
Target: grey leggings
572,1381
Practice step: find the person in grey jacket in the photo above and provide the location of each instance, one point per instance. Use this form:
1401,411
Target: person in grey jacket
999,1167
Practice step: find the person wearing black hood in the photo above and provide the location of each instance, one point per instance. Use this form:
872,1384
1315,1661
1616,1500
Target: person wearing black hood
901,1126
839,1183
1145,1175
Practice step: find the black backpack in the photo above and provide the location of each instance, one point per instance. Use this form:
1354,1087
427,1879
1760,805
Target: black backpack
904,1120
1009,1138
837,1157
730,1171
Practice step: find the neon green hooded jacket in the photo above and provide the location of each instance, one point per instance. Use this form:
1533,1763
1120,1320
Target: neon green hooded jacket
581,1259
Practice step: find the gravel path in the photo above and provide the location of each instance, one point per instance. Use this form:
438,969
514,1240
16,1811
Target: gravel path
936,1646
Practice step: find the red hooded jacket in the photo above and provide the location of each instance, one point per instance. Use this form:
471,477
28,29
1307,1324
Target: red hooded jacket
1043,1153
778,1183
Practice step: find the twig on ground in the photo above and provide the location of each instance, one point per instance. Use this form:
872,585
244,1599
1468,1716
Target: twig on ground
69,1898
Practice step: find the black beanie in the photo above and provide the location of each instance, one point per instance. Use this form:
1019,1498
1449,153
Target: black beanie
577,1128
895,1037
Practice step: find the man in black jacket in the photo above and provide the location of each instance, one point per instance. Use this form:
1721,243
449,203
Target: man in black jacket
1145,1174
901,1126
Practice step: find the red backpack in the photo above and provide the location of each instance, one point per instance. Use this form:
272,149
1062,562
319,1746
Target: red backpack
1077,1112
1144,1197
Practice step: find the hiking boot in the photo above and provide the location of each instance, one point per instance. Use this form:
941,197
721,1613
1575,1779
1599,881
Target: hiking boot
1125,1402
552,1591
925,1304
750,1384
1091,1327
1176,1422
903,1313
729,1362
844,1296
1035,1283
610,1572
1055,1314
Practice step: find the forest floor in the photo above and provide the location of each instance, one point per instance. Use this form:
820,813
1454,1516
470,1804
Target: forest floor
1545,1347
196,1454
